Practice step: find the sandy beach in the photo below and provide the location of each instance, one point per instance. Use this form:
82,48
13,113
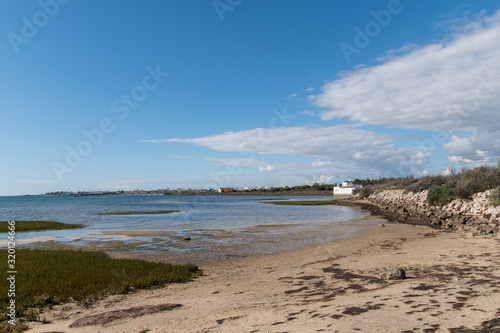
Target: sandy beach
452,285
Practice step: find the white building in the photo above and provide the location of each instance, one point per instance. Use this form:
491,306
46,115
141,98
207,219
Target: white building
346,189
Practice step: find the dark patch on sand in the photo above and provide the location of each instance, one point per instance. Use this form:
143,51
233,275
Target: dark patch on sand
221,321
423,286
308,277
293,291
433,329
134,312
355,310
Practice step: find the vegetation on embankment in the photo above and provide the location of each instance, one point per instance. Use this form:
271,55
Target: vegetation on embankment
46,278
495,197
25,226
141,213
443,189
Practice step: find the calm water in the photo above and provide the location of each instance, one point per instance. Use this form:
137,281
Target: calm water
232,223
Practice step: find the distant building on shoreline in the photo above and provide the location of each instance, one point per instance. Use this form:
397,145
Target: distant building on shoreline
346,189
226,189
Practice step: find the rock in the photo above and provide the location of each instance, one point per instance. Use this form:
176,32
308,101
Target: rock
381,225
187,238
491,228
435,221
393,274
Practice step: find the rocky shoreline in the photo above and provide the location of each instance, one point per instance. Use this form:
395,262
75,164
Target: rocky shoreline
476,215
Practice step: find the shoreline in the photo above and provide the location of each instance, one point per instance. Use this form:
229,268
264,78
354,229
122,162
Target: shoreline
236,193
453,284
377,210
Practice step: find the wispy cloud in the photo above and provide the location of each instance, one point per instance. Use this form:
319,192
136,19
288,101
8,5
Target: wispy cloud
309,113
35,181
261,165
343,144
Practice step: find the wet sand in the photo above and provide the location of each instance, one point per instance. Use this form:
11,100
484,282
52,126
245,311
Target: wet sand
453,284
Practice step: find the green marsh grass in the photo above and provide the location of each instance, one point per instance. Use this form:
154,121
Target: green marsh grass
48,277
141,213
24,226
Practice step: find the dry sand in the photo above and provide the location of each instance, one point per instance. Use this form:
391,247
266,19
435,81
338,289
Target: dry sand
454,282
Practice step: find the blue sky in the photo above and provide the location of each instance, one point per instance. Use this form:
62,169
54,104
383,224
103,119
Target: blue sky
243,93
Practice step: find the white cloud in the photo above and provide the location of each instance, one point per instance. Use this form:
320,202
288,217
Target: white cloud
283,174
404,49
268,168
309,89
465,22
319,163
421,157
323,179
342,144
432,88
448,172
448,86
460,145
261,165
482,148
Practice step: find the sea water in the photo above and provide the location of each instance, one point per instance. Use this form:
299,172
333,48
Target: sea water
235,225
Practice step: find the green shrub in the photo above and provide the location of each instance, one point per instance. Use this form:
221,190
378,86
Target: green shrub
440,194
31,315
480,179
365,192
495,197
426,183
